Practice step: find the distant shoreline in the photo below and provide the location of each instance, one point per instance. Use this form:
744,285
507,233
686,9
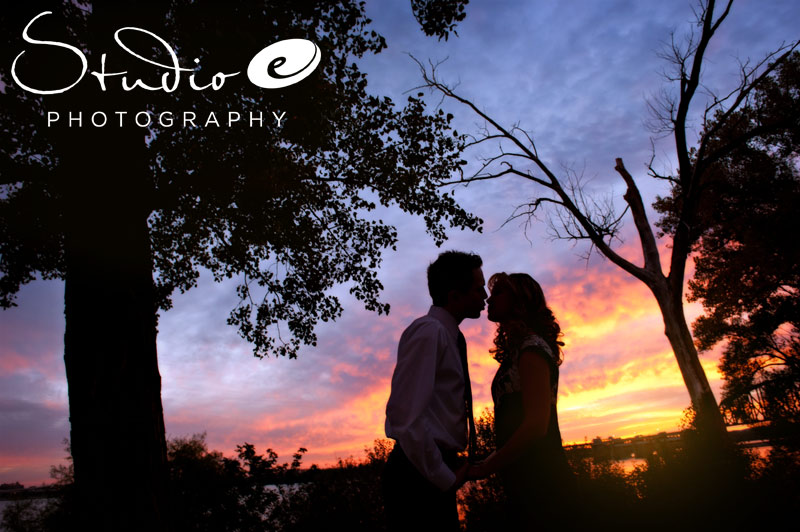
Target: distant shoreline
47,491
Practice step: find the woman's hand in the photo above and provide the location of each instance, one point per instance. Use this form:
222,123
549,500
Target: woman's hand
475,471
478,470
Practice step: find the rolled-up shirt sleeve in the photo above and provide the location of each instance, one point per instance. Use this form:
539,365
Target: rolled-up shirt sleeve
413,385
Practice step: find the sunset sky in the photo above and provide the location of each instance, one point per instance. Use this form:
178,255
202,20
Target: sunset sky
578,74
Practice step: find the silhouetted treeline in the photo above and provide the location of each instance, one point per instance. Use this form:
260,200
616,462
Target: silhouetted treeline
683,488
691,486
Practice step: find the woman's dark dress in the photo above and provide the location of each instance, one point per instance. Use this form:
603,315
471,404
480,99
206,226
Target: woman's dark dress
538,484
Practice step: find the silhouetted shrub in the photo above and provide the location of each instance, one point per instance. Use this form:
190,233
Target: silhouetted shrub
681,488
212,493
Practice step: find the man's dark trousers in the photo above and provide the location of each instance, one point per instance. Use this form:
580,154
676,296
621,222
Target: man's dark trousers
412,502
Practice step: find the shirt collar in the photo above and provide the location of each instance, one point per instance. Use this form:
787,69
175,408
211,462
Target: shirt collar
446,319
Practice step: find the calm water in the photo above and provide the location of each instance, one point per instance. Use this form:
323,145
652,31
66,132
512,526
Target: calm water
630,463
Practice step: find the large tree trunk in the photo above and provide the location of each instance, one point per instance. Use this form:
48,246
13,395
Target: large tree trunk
668,292
117,424
708,417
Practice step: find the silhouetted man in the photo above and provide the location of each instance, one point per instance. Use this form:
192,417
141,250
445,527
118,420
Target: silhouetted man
429,413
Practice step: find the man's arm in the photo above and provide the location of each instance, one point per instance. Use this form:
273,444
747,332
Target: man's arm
412,390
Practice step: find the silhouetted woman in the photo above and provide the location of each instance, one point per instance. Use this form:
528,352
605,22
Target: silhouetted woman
529,459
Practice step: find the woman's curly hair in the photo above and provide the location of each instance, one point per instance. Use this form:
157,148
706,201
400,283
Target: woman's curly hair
536,317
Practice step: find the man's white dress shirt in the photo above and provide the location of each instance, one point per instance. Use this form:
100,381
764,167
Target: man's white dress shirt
426,408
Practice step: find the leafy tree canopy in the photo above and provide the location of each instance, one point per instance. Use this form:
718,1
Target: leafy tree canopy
437,17
288,210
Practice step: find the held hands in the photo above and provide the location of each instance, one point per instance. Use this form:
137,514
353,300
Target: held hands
461,476
482,468
470,471
476,471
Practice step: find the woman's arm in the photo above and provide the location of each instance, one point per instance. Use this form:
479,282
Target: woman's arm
534,374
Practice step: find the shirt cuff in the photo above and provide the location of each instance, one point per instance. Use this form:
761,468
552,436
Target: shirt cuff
443,478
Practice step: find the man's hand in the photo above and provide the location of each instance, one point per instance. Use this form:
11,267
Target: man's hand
461,477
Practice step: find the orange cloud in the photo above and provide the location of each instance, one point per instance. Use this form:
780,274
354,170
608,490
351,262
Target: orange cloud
619,376
33,469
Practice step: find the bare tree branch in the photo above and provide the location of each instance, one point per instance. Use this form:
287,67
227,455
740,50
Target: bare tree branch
652,262
582,225
576,216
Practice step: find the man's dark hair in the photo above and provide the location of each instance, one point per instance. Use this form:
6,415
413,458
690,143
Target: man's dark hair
452,270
